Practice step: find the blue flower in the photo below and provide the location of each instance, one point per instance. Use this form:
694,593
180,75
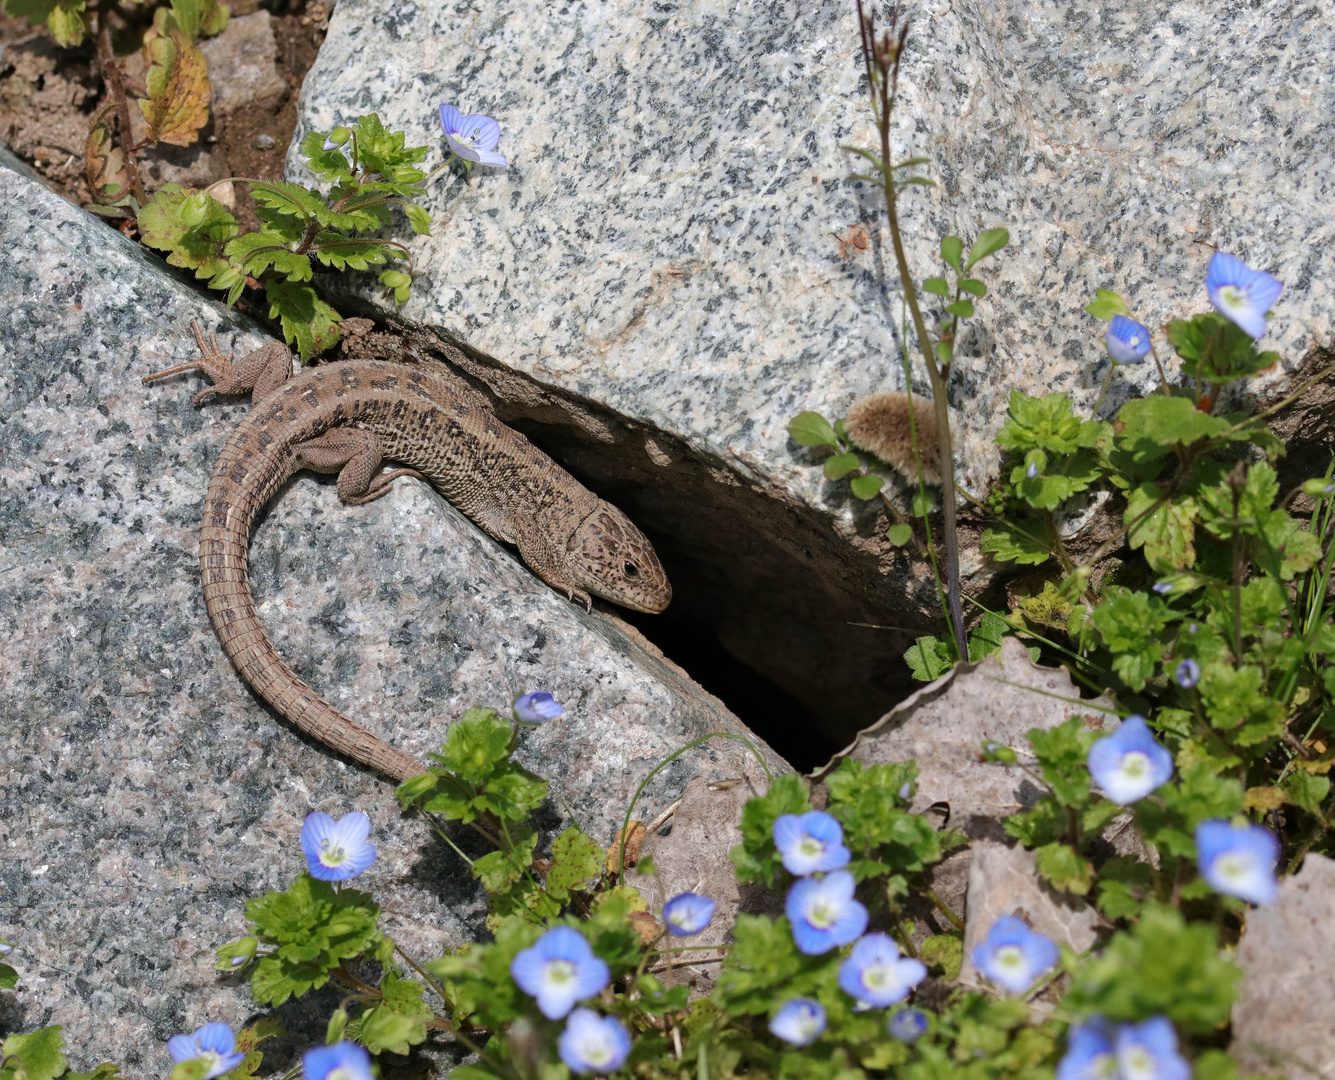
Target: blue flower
908,1024
1148,1051
876,974
1089,1052
1188,674
559,970
1127,341
342,1061
1238,860
337,850
799,1022
1130,763
810,844
593,1043
687,913
1163,588
824,914
1239,293
538,707
473,137
1013,956
213,1043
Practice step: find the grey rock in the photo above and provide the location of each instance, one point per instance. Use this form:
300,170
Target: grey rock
147,792
1004,881
242,68
264,141
1281,1020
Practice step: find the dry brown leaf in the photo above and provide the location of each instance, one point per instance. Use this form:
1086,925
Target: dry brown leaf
633,841
104,163
179,91
1264,799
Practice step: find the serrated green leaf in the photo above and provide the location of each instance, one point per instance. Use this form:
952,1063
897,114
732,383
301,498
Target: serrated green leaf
988,242
1131,624
163,225
937,286
1167,534
381,151
1048,490
330,164
1008,544
67,27
1047,423
575,859
952,247
1152,426
307,321
756,857
899,533
1214,349
1106,304
1064,868
290,200
344,253
256,252
811,429
866,487
40,1053
35,11
839,466
928,658
398,1021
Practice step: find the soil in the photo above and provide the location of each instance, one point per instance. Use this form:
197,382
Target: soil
48,95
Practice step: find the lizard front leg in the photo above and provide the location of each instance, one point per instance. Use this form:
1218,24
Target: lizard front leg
355,454
258,373
538,554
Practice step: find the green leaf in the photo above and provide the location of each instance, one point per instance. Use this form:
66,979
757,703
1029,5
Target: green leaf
1214,349
381,151
952,247
936,286
498,870
1049,489
839,466
943,951
39,1052
762,964
1130,624
108,1071
342,253
1008,544
928,658
307,321
418,218
1064,868
575,859
66,25
1166,534
400,282
1106,304
974,287
961,309
756,857
397,1022
258,251
866,487
35,11
1047,423
1308,791
9,978
1237,699
811,429
986,639
989,241
329,164
290,200
1154,425
1125,883
899,533
194,244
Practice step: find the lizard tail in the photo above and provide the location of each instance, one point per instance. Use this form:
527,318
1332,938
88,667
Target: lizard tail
224,540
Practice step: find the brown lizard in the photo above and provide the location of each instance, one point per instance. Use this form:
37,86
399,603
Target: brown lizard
346,418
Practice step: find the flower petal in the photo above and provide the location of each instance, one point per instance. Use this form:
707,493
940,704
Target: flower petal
451,119
482,131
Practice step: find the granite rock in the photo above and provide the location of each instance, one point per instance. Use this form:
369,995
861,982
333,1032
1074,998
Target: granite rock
242,67
146,792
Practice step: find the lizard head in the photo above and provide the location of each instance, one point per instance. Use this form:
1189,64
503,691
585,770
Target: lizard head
611,558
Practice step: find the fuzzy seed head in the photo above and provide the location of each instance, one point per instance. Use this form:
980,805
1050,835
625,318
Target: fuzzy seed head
879,424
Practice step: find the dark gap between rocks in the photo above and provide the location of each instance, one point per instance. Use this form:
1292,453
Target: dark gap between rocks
766,593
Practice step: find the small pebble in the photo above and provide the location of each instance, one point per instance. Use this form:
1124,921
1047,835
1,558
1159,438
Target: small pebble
265,141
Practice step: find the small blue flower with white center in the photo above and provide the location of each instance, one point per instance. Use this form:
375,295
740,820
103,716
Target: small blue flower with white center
538,707
877,975
1188,674
593,1043
337,850
1127,341
1013,956
1239,293
212,1043
473,137
1148,1051
799,1022
824,914
1238,860
1090,1054
1163,588
1130,763
559,970
342,1061
908,1024
687,914
812,843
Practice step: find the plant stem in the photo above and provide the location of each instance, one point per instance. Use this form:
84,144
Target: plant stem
111,75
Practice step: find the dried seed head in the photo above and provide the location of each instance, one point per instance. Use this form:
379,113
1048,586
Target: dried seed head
879,424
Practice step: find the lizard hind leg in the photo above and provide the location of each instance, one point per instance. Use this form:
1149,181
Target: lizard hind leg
258,373
356,455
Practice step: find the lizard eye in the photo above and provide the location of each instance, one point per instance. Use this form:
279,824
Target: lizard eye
631,570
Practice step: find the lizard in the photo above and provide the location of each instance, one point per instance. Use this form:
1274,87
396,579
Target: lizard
350,417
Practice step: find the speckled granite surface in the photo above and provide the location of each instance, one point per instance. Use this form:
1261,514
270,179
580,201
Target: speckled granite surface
146,792
664,238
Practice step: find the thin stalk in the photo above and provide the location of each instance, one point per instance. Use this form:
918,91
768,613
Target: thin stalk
111,74
945,910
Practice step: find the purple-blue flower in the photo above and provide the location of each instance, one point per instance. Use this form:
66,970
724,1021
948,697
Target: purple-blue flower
1148,1051
593,1043
799,1022
1128,341
1013,956
337,850
342,1061
1238,860
473,137
810,844
1090,1054
539,707
213,1043
559,970
1188,674
876,974
1130,763
908,1024
687,914
1239,293
824,914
